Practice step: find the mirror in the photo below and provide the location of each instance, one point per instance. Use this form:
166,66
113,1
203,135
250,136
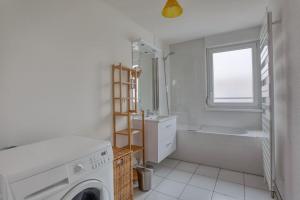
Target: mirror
145,57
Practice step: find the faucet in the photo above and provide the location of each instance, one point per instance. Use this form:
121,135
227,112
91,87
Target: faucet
148,113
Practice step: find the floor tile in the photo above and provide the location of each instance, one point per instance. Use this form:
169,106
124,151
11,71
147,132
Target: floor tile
255,181
256,194
172,163
170,188
231,176
208,171
159,196
140,195
180,176
162,171
186,166
203,182
156,180
231,189
217,196
195,193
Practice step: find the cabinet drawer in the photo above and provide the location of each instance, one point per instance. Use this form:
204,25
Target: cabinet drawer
166,129
166,147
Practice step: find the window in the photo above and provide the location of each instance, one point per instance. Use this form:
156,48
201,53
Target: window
233,76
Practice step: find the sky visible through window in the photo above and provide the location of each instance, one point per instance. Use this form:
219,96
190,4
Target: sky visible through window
233,76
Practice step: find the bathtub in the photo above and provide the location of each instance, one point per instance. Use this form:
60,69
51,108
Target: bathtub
225,147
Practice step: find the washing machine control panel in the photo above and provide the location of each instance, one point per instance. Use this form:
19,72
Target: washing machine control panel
99,159
91,163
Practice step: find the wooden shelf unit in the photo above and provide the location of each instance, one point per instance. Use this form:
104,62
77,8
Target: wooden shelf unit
125,105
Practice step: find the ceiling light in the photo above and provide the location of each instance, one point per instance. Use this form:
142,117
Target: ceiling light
172,9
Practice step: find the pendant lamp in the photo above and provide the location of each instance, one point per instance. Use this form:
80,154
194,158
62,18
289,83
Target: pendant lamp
172,9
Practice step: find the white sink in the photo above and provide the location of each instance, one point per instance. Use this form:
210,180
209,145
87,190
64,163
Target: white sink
152,117
159,118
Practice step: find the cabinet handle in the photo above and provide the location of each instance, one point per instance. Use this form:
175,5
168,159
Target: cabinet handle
168,144
169,125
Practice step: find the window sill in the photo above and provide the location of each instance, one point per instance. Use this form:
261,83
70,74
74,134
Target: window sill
250,110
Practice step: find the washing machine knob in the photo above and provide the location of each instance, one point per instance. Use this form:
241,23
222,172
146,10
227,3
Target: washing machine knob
78,168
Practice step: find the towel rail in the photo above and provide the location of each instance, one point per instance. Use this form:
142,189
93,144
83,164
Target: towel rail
267,92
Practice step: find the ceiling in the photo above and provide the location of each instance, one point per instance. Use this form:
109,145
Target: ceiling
200,18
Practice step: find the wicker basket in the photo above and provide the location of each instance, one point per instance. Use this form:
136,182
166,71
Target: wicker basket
123,188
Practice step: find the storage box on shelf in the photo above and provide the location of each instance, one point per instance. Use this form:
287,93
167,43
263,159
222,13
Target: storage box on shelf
123,189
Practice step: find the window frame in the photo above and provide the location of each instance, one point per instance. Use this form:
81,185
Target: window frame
256,78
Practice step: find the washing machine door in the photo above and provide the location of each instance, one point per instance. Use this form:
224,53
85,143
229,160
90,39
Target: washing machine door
88,190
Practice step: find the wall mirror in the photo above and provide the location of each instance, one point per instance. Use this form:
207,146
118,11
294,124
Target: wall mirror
145,56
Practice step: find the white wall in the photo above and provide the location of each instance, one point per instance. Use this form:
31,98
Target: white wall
55,67
293,52
234,37
188,77
287,96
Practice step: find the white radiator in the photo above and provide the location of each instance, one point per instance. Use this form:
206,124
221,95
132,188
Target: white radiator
267,93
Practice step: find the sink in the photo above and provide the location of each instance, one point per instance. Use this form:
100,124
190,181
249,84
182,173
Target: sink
159,118
152,117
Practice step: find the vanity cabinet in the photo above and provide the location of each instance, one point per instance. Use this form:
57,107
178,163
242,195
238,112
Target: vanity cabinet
160,138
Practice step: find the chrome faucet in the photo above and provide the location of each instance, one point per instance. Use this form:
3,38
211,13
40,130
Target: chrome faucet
148,113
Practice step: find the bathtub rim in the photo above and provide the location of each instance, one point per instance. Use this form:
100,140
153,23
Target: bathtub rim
195,131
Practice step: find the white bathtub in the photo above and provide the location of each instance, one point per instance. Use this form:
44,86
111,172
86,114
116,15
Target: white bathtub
224,147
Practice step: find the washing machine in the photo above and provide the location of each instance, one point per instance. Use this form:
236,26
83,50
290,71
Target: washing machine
68,168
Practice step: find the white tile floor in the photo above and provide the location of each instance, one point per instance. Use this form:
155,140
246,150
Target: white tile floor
178,180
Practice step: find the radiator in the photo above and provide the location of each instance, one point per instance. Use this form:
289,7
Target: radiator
267,94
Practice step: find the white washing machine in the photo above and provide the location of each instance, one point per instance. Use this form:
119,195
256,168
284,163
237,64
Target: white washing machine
68,168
